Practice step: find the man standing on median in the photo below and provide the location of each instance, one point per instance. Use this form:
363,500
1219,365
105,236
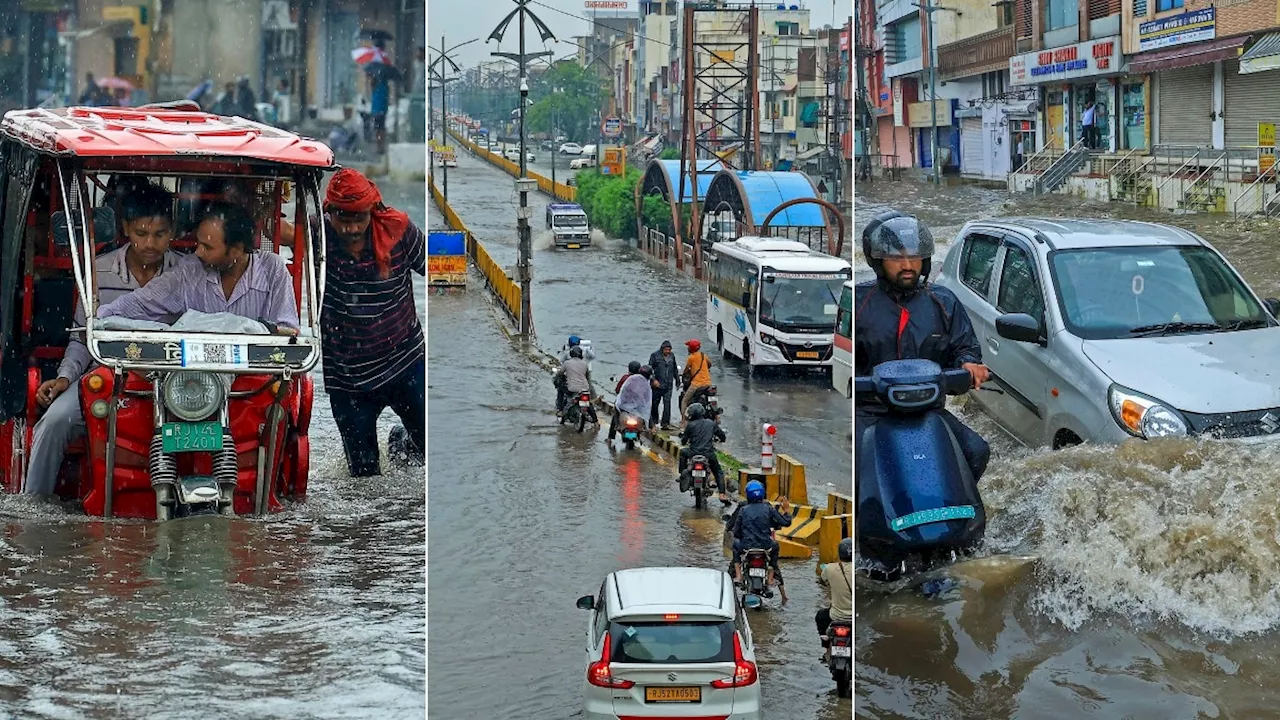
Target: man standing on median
373,344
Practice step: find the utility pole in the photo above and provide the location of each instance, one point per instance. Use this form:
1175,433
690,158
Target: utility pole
441,60
523,185
929,9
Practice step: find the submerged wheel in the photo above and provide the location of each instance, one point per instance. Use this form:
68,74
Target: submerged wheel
849,392
630,444
720,341
843,686
582,421
699,500
746,351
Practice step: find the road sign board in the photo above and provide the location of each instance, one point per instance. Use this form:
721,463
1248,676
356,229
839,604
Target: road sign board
611,127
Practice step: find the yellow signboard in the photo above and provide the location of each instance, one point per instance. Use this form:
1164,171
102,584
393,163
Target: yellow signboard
448,270
1266,134
613,161
722,56
1266,160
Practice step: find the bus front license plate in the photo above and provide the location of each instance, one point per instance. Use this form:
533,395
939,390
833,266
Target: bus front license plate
807,355
191,437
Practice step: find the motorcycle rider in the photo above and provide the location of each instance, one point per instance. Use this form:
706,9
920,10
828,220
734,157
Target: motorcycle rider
698,438
900,315
576,342
635,398
633,367
836,576
753,526
696,376
573,378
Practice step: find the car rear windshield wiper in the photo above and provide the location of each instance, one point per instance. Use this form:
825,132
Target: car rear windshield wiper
1171,328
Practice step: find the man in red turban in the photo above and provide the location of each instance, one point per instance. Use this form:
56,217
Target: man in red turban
373,346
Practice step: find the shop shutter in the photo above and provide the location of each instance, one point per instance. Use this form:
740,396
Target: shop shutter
1185,99
971,146
1248,100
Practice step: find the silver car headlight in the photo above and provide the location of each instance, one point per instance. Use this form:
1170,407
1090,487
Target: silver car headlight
1142,416
194,395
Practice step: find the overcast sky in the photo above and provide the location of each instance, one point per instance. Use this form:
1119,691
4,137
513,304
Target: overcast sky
462,20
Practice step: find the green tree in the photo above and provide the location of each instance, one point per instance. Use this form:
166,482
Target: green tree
570,95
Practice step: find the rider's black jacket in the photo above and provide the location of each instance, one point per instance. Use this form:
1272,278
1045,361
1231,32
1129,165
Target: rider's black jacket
927,323
699,436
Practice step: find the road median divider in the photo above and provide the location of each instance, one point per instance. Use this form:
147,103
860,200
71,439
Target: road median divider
558,190
504,288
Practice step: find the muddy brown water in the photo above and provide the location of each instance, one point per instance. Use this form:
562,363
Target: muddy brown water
1153,590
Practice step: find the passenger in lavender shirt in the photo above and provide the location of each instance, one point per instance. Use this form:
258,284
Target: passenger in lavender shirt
225,275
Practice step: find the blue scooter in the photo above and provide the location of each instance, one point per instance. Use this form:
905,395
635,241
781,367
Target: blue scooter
918,504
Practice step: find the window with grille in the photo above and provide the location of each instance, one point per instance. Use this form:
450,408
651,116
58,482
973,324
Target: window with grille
1023,14
1162,5
1099,9
1139,8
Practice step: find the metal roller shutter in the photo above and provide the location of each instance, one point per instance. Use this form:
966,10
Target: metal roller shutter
971,146
1247,101
1185,101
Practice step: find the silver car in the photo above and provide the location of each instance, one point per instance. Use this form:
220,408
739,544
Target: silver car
1102,330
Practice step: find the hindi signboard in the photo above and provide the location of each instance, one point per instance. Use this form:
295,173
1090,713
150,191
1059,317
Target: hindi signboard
447,258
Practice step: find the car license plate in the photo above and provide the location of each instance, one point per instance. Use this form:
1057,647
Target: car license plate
673,694
699,473
191,437
807,354
757,572
573,246
841,651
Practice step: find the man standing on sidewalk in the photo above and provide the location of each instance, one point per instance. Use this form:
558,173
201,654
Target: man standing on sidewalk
373,346
666,376
1087,125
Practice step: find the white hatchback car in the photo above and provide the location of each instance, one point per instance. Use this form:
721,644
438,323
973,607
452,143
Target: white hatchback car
668,642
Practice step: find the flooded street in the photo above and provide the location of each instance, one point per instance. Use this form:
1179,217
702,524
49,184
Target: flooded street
314,612
1152,589
526,515
627,305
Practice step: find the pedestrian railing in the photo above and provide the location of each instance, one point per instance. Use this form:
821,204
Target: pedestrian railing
504,288
1199,192
1187,163
1253,199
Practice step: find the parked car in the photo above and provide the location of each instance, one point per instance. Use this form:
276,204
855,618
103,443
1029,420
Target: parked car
589,150
495,147
1102,330
513,154
582,162
570,149
668,636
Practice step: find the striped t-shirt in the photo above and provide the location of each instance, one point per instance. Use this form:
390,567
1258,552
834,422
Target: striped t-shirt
369,325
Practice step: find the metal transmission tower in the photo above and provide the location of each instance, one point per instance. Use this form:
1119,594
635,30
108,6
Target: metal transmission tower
523,185
721,98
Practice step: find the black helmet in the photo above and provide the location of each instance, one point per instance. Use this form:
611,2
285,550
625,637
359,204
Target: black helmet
646,371
575,351
697,411
892,234
846,550
633,367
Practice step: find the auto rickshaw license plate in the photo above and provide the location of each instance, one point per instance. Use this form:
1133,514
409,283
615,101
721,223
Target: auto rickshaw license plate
673,694
191,437
807,355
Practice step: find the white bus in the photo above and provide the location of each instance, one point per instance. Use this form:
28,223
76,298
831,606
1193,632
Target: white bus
773,301
842,356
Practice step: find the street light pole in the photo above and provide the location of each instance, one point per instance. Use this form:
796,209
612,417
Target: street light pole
444,61
929,9
523,183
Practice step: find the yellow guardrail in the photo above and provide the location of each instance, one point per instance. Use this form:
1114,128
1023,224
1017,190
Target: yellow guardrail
505,288
558,190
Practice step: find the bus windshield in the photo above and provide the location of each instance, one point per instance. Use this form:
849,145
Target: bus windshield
569,220
800,301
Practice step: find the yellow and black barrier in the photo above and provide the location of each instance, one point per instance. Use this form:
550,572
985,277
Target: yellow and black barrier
558,190
504,288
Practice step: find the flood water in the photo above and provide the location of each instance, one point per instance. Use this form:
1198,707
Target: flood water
316,612
526,516
1136,581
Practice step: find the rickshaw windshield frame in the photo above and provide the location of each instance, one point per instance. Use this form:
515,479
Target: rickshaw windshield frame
167,351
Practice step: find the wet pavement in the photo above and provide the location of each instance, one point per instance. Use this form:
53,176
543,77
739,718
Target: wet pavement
315,612
526,516
1153,590
627,304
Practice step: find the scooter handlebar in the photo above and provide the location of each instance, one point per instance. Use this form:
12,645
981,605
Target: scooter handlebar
954,382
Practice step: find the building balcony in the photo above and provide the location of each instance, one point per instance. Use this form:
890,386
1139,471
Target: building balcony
986,52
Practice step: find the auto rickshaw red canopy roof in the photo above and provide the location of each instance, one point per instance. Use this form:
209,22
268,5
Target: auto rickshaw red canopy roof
151,131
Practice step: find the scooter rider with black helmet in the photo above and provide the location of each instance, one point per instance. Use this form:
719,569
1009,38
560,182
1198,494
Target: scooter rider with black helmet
900,316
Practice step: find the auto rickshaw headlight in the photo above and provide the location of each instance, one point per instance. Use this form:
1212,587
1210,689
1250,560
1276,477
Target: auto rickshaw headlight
194,395
98,408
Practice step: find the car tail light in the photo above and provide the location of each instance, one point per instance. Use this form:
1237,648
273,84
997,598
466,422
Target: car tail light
756,561
744,673
599,674
671,616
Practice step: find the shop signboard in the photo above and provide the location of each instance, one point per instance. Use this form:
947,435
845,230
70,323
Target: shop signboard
447,258
1266,147
899,109
1187,27
611,127
1086,59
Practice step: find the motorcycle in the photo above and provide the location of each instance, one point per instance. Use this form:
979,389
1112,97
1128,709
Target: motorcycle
579,411
630,430
840,642
918,504
754,581
695,478
707,396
